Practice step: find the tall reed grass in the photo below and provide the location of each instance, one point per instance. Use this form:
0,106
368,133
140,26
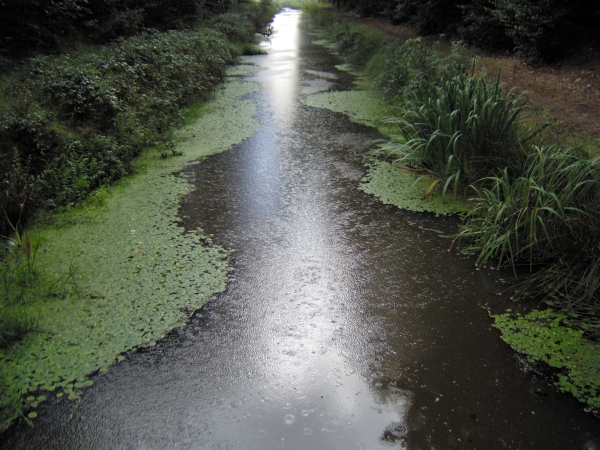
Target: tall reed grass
548,220
463,129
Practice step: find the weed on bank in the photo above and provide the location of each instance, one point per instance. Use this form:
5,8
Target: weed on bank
70,125
536,205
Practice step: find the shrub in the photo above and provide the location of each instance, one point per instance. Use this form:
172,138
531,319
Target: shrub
85,166
430,16
534,27
482,28
234,27
79,93
357,44
71,123
33,25
406,66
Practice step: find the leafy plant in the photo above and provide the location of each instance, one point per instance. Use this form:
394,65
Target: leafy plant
482,28
533,26
404,67
462,129
356,43
548,219
550,209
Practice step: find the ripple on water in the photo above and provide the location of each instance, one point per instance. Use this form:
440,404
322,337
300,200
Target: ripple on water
331,427
394,432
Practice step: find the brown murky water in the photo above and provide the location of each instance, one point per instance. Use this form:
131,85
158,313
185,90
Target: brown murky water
347,324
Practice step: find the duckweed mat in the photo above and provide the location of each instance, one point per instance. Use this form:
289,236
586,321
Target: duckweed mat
394,186
545,336
361,106
139,275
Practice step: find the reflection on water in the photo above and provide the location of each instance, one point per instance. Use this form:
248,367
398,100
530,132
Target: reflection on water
346,324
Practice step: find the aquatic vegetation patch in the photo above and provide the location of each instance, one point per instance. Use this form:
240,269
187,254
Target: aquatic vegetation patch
463,129
545,336
139,274
394,186
362,106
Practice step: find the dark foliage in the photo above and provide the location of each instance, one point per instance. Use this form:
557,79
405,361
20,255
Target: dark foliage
72,123
539,30
32,26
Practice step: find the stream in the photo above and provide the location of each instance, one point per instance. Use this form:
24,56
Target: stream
346,325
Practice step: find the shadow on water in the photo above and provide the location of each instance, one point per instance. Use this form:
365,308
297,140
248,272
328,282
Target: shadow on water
347,323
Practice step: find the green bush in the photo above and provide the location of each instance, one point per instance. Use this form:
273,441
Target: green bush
357,44
75,122
482,28
430,16
72,123
404,67
534,27
33,25
540,30
234,27
80,94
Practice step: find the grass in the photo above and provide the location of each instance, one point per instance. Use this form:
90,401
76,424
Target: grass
547,219
24,282
460,130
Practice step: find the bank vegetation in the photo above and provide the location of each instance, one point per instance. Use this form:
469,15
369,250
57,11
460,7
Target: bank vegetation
535,199
86,86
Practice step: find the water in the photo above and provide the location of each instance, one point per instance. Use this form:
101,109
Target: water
347,323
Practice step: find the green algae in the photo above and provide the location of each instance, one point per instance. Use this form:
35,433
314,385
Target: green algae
242,70
361,106
139,274
545,336
390,185
394,186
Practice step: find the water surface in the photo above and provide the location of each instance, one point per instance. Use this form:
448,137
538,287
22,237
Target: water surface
346,325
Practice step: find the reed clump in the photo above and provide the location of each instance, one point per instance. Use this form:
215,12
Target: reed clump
461,129
548,219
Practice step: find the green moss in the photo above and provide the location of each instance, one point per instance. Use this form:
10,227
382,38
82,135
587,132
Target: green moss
139,274
361,106
544,336
394,186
